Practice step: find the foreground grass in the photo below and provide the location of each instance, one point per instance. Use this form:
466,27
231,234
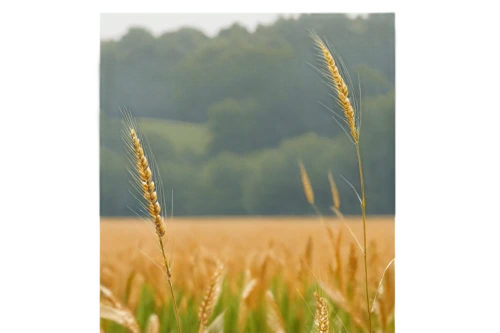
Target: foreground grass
297,313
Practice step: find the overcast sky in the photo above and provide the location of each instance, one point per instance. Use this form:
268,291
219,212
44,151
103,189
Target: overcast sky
116,25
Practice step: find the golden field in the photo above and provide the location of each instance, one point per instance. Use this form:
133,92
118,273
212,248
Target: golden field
236,238
292,257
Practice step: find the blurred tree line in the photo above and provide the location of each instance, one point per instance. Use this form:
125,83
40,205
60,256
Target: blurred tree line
258,95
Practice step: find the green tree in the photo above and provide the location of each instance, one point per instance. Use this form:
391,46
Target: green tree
258,96
223,178
274,186
242,65
234,125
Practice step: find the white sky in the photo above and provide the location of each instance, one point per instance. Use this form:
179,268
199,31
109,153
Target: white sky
116,25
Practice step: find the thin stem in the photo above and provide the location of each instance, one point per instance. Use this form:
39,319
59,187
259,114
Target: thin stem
320,215
363,214
170,285
327,226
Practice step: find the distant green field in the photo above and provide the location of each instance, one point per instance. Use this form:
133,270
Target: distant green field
185,135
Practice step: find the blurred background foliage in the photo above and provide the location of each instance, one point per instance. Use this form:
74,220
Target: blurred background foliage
228,117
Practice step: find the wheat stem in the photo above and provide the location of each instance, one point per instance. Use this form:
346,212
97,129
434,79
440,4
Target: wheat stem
363,214
170,285
380,284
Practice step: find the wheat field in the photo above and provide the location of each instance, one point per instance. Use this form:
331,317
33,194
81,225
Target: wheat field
272,268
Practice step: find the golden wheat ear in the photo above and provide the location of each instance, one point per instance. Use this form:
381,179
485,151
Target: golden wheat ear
153,325
112,309
335,193
322,315
337,78
306,184
143,164
211,297
274,318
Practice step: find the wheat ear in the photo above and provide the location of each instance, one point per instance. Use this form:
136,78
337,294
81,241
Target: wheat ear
274,318
149,192
147,184
211,297
112,309
332,72
336,204
335,196
306,184
321,318
338,84
153,325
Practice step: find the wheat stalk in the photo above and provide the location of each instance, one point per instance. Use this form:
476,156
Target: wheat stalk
352,269
352,263
210,298
148,187
308,252
380,283
308,191
339,86
338,259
